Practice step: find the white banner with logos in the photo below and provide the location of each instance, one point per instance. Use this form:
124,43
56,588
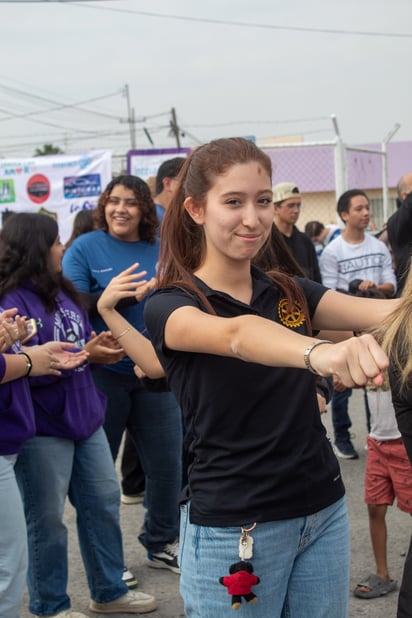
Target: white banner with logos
58,185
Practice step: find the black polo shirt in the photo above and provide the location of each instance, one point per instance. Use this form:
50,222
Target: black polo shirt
257,446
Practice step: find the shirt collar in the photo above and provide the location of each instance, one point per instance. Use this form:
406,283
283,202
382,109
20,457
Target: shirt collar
261,282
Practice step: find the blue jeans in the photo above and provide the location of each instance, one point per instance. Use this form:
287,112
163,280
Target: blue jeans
340,415
13,541
155,424
48,469
302,563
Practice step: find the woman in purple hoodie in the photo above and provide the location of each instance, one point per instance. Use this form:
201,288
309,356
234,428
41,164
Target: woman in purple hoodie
69,456
16,426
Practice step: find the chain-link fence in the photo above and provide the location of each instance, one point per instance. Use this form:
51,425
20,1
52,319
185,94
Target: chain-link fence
323,170
366,169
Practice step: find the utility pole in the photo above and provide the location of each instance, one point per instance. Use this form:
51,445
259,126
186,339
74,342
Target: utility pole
130,118
341,172
385,142
174,128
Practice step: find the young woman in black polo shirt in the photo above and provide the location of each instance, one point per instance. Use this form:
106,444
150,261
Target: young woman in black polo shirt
237,350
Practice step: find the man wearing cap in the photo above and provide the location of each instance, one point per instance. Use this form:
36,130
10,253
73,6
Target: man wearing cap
287,201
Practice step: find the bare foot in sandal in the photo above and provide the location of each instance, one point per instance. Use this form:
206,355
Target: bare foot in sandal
374,586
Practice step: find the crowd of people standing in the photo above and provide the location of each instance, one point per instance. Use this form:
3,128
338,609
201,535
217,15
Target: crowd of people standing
159,319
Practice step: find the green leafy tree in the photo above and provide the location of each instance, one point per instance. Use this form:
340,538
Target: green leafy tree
47,149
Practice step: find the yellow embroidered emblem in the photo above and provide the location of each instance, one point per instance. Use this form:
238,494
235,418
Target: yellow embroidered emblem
293,318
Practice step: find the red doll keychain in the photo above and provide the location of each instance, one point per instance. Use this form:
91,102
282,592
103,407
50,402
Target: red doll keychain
241,579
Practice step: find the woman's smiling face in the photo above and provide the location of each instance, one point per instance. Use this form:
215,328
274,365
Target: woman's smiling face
238,212
123,214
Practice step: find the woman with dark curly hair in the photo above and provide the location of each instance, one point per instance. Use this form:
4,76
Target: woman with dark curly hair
127,233
69,456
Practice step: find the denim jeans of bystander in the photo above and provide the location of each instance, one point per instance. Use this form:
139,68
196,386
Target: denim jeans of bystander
49,469
13,541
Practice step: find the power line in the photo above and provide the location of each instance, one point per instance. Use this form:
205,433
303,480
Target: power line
256,122
241,24
96,135
59,106
46,123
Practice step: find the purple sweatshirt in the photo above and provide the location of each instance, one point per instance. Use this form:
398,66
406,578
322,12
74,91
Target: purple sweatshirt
16,410
67,406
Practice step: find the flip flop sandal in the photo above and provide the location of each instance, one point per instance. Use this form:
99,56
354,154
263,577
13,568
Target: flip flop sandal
377,587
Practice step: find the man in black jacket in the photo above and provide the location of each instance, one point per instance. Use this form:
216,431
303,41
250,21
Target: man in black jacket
399,230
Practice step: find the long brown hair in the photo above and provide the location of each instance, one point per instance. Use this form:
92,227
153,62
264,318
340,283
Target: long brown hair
183,243
25,243
395,336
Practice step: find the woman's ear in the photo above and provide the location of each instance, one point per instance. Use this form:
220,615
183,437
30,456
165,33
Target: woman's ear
194,210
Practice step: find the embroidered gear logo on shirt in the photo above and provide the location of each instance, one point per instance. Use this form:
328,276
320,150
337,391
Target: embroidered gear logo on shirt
291,318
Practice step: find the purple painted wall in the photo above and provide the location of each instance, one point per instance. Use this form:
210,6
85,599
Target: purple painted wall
312,168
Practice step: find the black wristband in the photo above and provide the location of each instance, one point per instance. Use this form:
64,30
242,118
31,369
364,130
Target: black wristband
29,363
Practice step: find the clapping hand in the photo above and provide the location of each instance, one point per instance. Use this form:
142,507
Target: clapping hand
54,356
104,349
13,328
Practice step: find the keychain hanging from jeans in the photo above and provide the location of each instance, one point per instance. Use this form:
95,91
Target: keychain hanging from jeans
241,579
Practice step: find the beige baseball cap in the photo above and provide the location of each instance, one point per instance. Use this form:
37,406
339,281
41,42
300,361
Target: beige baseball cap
285,191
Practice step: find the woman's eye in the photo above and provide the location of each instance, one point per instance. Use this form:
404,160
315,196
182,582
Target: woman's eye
264,202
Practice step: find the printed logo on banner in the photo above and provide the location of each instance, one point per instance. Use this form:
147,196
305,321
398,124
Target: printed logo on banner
38,188
7,194
85,162
82,186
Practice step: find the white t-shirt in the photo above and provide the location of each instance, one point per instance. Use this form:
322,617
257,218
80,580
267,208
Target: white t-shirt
342,262
383,419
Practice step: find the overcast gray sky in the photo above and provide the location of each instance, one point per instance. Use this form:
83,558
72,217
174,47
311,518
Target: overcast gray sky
281,76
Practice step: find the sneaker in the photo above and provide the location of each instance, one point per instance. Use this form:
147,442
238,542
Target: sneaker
66,613
345,450
130,603
132,498
129,579
165,559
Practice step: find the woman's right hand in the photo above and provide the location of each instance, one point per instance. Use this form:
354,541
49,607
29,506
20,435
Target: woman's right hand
127,284
353,362
49,358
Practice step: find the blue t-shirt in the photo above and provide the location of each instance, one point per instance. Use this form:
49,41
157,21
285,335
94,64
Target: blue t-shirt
94,259
160,211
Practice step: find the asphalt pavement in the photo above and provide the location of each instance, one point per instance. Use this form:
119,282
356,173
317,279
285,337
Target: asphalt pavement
164,584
